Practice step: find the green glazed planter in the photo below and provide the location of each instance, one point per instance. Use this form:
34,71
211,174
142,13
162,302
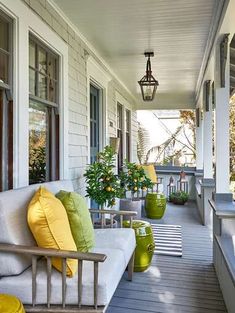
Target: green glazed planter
155,205
144,244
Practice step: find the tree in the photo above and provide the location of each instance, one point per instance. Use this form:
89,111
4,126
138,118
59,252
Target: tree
103,186
187,117
232,138
142,143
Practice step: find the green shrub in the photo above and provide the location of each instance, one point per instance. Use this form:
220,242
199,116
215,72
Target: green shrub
179,197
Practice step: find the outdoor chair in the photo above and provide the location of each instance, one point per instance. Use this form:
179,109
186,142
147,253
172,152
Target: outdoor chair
26,270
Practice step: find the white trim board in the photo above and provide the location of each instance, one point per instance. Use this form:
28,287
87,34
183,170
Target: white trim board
122,100
126,105
100,78
22,26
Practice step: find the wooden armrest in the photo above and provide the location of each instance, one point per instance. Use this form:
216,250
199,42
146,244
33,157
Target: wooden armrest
113,212
37,251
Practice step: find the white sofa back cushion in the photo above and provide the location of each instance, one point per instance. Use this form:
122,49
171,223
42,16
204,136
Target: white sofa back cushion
13,223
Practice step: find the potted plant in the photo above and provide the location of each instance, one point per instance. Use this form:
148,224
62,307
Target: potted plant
179,197
103,186
134,181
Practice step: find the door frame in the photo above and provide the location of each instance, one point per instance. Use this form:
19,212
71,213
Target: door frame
99,78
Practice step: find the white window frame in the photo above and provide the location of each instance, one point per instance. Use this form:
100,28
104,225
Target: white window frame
126,106
26,21
100,79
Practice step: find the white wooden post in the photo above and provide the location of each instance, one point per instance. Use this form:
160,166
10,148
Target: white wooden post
222,152
199,146
207,183
207,143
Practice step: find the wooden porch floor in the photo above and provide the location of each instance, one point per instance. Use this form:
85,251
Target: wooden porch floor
175,284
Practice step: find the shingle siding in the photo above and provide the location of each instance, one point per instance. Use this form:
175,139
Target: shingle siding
78,104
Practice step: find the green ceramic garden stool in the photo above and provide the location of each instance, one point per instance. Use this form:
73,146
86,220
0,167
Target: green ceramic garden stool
155,205
144,244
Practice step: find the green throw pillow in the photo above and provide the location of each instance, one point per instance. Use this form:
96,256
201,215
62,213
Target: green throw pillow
79,219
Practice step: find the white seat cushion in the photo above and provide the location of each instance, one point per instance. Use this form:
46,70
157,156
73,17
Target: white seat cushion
116,238
110,273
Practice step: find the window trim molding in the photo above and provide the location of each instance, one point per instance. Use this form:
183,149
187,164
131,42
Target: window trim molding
17,10
126,106
98,77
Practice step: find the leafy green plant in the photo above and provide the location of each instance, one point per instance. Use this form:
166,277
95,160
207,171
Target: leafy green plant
103,186
37,157
134,179
179,197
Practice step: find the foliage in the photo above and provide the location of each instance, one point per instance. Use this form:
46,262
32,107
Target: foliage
37,159
142,144
103,186
179,197
187,117
232,138
133,178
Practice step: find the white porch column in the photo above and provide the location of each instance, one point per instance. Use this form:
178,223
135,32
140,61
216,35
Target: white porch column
207,183
207,143
199,146
222,152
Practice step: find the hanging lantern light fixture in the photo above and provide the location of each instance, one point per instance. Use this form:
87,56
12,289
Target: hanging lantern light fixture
148,84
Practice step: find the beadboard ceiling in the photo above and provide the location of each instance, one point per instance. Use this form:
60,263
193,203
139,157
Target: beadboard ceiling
121,30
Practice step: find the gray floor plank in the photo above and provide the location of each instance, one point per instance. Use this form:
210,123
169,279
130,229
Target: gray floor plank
186,284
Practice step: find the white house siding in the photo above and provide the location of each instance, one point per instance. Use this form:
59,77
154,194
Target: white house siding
78,104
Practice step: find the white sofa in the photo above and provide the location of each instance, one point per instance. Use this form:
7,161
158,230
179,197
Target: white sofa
113,252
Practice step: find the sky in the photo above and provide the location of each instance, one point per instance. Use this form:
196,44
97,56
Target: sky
160,125
156,130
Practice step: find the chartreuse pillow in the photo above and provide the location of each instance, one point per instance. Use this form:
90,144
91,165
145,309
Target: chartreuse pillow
49,224
79,219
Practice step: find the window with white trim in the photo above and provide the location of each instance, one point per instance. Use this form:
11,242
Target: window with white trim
128,134
6,104
43,113
120,134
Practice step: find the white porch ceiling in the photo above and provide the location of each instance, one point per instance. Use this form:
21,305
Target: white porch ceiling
121,30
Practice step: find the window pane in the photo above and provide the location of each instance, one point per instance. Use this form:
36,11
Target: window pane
42,61
42,86
32,54
127,120
32,82
4,35
4,68
38,138
51,70
52,91
119,116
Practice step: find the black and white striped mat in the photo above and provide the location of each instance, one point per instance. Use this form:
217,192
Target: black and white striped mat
168,239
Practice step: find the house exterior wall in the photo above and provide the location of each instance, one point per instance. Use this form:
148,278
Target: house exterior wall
78,102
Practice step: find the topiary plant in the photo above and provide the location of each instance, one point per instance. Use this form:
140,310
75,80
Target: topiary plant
103,186
179,197
134,179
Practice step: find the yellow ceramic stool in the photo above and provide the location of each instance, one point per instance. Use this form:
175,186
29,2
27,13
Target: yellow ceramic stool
10,304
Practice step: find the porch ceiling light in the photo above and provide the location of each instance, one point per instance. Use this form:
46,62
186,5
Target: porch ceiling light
148,84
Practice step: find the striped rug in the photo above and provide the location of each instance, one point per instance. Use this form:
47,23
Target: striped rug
168,239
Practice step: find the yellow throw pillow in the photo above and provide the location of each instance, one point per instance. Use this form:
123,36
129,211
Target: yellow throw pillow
48,221
150,172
